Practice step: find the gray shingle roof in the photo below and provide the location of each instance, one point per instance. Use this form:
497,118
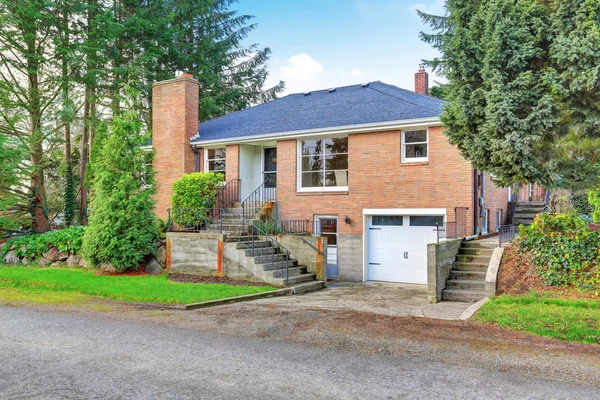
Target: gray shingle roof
349,105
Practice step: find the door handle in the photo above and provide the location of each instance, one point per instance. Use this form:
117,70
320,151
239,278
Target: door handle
374,229
374,264
406,255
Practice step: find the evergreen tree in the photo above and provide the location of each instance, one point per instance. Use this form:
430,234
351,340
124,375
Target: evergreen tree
122,228
521,91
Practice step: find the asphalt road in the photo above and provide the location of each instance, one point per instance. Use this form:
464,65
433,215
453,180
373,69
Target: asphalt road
46,355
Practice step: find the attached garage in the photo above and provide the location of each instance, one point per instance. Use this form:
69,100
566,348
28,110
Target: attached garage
396,243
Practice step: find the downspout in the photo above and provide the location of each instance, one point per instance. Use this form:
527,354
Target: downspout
475,201
197,157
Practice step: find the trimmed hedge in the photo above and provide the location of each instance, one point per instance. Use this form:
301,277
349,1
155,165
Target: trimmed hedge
195,190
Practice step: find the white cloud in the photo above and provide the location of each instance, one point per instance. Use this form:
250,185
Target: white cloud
303,73
435,7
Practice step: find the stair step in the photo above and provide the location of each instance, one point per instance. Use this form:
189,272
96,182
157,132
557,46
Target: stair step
259,251
474,244
470,296
467,275
301,279
475,252
525,215
470,266
468,284
531,204
309,287
485,259
279,265
269,258
245,244
294,271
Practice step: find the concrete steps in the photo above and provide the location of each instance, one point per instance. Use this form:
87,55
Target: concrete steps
467,277
526,212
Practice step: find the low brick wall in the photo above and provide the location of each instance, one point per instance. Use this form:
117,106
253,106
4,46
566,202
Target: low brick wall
440,257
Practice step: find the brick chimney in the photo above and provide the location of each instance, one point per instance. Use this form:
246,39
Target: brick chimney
422,81
174,122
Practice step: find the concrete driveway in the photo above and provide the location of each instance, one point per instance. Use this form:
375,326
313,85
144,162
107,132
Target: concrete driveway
395,299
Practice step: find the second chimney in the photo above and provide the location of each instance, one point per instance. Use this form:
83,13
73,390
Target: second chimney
422,81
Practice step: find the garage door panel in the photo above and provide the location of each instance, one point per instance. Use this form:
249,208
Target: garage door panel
399,253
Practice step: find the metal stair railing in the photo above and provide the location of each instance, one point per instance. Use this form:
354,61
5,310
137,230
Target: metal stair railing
263,194
194,219
225,195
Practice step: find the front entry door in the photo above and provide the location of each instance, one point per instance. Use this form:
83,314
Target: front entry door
270,166
327,226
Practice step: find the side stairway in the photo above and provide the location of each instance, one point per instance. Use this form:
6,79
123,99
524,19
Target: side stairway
467,277
269,264
526,212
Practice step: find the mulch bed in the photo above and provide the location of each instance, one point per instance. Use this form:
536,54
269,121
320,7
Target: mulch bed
517,275
185,278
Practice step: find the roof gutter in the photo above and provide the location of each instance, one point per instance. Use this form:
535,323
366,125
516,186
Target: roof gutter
337,130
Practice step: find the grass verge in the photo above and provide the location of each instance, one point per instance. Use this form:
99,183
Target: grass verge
563,319
32,282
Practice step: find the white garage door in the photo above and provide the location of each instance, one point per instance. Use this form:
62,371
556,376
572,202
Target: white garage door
397,247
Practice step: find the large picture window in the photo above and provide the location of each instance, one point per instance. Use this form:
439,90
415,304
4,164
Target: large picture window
323,164
215,160
415,146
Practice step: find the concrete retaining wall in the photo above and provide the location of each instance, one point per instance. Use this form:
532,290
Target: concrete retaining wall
306,255
350,257
440,257
491,279
193,253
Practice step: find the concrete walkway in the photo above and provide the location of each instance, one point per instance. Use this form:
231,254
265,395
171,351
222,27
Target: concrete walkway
395,299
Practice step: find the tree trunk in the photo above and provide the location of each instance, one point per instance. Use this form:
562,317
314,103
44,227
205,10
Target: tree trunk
85,154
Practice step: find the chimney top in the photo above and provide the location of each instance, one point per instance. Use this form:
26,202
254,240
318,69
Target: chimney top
422,80
187,76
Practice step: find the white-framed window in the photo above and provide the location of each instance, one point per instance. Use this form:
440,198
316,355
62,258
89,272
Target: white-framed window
415,146
323,164
214,160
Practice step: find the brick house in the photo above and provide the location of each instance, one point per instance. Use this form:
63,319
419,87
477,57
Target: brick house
368,162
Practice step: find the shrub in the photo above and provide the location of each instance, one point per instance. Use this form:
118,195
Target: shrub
32,246
268,226
565,250
195,190
122,228
582,205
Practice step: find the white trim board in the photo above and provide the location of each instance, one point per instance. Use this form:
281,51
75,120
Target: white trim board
336,130
404,211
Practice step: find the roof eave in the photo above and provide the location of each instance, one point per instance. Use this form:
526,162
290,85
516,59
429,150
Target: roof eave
336,130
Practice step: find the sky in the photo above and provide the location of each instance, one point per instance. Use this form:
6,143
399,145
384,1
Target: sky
319,44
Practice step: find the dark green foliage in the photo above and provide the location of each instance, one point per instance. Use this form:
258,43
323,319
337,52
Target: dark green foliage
439,91
565,250
32,246
268,226
522,87
13,214
122,227
582,205
195,190
70,201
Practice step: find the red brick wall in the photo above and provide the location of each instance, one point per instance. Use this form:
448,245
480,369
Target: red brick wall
174,121
232,162
378,179
495,198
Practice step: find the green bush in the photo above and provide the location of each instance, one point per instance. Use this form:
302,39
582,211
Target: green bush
195,190
122,228
565,250
67,240
582,205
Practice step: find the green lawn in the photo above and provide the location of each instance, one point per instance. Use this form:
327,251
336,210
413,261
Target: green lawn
144,288
563,319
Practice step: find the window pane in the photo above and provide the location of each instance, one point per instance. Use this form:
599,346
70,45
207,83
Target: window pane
336,178
416,151
426,220
336,162
312,163
387,220
331,239
334,146
312,179
312,147
270,180
216,153
415,136
218,165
